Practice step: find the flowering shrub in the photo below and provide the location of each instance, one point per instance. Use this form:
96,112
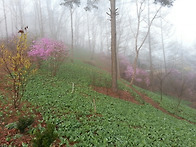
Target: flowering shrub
141,78
181,83
141,75
16,67
48,50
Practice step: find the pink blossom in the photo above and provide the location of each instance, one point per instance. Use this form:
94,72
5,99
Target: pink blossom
147,81
129,71
140,76
45,48
138,80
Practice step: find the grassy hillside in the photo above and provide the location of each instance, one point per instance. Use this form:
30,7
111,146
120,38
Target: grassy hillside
170,104
67,101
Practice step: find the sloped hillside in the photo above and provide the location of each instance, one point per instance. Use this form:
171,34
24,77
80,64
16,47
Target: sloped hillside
85,117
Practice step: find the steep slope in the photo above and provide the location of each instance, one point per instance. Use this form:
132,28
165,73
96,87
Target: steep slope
69,101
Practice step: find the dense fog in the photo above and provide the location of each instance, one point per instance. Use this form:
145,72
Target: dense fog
141,25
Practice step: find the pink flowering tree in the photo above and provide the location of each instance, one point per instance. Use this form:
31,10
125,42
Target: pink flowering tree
181,84
52,51
141,76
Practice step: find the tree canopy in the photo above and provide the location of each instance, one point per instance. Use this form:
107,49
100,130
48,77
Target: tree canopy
165,2
71,3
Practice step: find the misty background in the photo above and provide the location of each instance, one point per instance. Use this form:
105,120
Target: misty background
169,38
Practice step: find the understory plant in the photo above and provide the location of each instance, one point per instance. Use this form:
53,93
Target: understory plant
15,66
23,123
52,51
45,138
141,77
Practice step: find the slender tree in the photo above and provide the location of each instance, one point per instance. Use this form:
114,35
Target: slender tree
150,49
165,2
20,5
5,18
55,17
162,43
113,45
140,8
161,77
70,5
39,16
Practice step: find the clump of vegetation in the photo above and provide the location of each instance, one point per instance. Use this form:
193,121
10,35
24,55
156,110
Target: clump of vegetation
45,138
23,123
11,125
51,51
15,66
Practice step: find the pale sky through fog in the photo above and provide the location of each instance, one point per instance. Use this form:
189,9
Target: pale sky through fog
183,17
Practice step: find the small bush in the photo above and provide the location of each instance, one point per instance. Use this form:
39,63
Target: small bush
24,122
45,138
11,125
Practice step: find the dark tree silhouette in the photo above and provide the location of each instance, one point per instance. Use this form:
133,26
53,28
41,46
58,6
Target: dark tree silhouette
70,4
113,11
165,2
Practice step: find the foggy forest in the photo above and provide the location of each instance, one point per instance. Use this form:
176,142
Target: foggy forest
97,73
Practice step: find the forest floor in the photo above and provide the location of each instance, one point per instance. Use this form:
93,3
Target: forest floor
128,97
157,106
9,135
119,94
9,114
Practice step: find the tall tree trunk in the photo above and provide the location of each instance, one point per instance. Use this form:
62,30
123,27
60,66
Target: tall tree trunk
5,17
21,14
113,45
51,22
150,49
93,44
118,66
163,47
134,68
89,38
12,23
138,47
72,36
41,19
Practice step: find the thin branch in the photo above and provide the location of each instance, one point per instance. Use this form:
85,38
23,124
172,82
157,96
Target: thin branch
149,28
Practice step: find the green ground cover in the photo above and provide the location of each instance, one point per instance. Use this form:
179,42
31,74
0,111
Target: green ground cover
170,104
115,123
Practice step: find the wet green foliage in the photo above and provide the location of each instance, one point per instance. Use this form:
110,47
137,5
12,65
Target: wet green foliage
45,138
23,123
115,123
170,104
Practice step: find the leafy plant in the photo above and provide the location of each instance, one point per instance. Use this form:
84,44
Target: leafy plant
45,138
15,68
120,123
52,51
11,125
127,72
23,123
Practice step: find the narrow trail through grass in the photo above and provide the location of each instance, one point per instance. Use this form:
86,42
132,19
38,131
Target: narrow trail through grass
152,102
157,106
121,94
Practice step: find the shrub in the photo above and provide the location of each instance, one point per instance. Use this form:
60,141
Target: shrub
127,70
52,51
45,138
15,67
24,122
